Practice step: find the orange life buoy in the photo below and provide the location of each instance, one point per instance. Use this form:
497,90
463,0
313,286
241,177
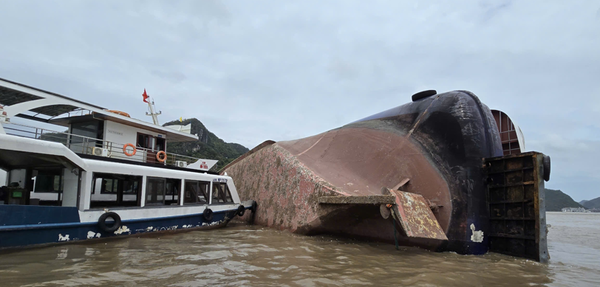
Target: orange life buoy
161,156
128,153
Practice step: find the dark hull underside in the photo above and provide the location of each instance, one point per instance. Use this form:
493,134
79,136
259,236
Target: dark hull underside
432,147
27,226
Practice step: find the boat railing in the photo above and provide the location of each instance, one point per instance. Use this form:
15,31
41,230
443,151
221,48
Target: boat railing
98,147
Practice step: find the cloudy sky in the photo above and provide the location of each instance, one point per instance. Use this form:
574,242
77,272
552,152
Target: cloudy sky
281,70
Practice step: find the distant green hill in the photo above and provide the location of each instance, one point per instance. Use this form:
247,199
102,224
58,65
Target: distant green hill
208,146
556,200
591,204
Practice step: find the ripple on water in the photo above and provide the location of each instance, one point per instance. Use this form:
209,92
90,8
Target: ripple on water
255,256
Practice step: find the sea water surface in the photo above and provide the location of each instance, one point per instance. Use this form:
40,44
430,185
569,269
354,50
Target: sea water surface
243,255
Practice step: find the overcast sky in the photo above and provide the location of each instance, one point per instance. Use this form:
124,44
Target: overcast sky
282,70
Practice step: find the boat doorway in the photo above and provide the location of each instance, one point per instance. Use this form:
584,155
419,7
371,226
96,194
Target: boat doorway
151,145
146,142
160,146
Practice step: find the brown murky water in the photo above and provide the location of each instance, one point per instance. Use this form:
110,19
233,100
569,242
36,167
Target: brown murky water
242,255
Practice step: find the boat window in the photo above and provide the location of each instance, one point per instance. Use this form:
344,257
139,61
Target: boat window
155,191
109,185
196,192
112,190
173,191
48,180
48,186
84,135
130,186
162,191
220,193
145,141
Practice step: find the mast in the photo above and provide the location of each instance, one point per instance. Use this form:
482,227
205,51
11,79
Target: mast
151,108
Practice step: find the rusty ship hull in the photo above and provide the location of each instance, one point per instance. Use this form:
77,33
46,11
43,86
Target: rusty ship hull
412,174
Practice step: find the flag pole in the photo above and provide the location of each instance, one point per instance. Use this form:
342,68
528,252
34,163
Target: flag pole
150,106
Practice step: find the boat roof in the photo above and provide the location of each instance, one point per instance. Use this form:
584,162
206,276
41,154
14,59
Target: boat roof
54,105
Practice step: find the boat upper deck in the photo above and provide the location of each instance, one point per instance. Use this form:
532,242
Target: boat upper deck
35,104
92,130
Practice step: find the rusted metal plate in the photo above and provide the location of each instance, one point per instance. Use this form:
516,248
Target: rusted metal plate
369,199
415,217
359,160
516,206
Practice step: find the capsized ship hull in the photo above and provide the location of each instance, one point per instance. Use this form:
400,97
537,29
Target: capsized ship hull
412,174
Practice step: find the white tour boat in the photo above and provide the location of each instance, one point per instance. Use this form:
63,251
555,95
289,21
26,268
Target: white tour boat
106,175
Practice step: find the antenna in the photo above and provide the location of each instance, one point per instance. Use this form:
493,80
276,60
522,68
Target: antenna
152,113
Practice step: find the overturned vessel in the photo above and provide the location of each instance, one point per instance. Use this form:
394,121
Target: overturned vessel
431,173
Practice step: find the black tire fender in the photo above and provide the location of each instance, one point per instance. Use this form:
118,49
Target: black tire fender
240,211
102,222
547,165
207,214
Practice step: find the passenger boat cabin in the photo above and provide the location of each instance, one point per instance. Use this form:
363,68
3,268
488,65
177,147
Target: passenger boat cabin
96,158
